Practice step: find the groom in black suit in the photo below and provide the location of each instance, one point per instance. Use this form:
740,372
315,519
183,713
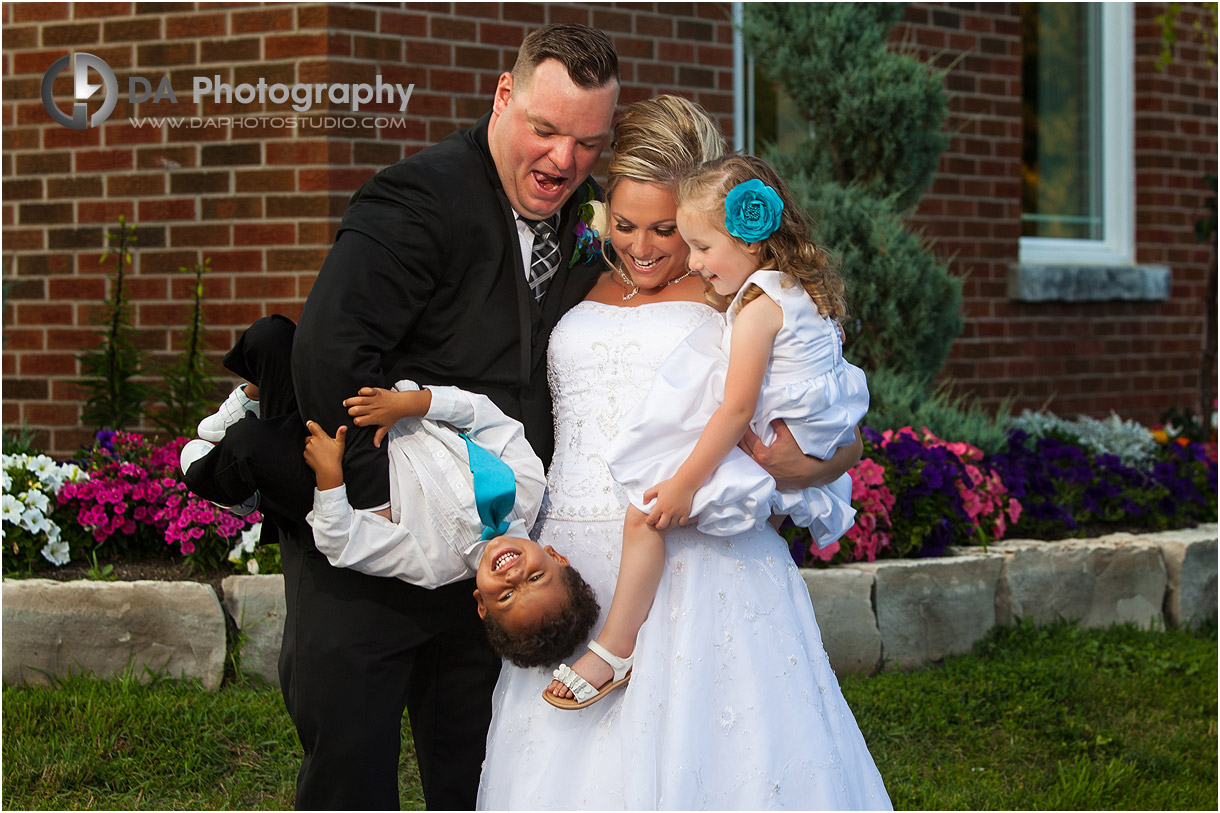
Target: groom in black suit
450,267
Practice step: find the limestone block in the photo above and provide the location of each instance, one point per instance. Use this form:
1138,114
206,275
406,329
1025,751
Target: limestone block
1043,581
1190,564
1082,283
1128,583
843,604
930,608
256,605
51,627
1113,579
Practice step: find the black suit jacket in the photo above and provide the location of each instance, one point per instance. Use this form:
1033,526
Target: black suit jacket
425,281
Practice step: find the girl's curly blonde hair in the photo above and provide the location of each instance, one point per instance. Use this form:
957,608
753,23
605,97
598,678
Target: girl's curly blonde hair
790,249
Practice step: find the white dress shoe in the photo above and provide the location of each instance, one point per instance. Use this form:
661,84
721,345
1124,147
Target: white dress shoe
198,449
234,408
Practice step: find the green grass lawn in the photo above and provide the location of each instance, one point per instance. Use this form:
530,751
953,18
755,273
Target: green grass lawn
1036,718
1050,718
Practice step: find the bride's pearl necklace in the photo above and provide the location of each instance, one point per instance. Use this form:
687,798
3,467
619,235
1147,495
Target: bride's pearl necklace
635,289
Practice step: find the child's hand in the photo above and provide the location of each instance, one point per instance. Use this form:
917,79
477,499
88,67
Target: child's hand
324,455
672,506
374,406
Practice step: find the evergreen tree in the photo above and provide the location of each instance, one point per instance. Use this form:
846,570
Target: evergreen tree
877,116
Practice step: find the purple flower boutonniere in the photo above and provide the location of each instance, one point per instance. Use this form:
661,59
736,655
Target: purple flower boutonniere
590,228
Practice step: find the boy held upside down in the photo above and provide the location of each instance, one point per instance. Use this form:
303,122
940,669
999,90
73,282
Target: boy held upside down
465,488
461,502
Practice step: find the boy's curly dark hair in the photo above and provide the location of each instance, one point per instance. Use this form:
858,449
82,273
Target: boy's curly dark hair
556,638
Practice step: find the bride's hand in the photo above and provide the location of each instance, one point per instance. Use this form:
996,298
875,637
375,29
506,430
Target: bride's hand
794,470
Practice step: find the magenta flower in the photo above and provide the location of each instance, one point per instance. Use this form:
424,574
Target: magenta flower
135,491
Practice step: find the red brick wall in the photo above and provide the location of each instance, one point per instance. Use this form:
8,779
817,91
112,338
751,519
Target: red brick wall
1134,357
262,203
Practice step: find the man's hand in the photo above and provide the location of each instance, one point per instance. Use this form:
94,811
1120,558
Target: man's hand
792,469
324,455
375,406
672,506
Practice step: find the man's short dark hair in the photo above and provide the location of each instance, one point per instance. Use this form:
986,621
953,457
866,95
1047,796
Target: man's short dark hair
586,53
557,637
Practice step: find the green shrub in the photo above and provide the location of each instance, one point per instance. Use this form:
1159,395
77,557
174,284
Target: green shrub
903,305
1131,442
897,400
113,398
187,380
876,113
877,117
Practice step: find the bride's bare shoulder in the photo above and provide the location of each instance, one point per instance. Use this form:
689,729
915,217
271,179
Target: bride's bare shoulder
605,291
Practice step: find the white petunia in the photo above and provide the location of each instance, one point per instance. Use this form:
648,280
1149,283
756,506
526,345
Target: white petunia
56,552
41,465
12,509
6,482
33,521
252,567
37,499
250,537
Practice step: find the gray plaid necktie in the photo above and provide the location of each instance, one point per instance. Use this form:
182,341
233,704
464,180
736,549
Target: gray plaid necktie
545,260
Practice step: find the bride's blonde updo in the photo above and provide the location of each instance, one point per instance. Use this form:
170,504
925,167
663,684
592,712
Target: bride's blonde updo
658,141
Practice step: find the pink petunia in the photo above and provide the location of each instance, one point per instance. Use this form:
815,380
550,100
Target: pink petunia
824,554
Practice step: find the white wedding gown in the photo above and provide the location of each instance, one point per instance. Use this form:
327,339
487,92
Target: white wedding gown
732,703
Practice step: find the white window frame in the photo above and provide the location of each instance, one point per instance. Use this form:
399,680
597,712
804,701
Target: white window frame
1116,247
740,69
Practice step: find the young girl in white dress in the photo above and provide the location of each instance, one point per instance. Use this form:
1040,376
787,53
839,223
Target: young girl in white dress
778,356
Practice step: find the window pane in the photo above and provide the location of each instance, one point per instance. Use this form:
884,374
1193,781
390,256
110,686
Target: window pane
1061,118
776,119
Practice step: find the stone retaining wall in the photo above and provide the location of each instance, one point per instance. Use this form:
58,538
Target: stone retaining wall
107,628
896,613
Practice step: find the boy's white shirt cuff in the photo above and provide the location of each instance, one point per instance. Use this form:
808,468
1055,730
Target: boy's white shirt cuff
328,501
446,404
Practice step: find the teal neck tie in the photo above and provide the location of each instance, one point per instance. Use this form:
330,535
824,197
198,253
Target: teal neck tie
495,488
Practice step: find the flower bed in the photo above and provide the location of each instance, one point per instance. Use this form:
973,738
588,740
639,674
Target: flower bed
124,497
915,495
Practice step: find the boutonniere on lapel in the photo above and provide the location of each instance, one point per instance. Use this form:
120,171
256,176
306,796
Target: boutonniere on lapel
592,221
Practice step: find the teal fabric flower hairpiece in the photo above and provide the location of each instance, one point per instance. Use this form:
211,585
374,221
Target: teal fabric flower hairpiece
752,210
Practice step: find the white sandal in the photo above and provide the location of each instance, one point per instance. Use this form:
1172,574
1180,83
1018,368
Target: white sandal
585,694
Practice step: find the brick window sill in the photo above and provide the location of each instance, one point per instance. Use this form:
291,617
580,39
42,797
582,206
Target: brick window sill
1088,283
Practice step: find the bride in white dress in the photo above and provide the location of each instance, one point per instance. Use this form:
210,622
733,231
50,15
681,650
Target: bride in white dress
732,703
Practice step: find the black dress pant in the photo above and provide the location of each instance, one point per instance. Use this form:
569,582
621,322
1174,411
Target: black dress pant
357,649
264,453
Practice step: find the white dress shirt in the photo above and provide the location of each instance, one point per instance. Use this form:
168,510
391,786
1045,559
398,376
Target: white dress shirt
433,537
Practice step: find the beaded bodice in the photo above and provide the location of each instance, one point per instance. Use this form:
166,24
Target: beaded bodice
600,361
